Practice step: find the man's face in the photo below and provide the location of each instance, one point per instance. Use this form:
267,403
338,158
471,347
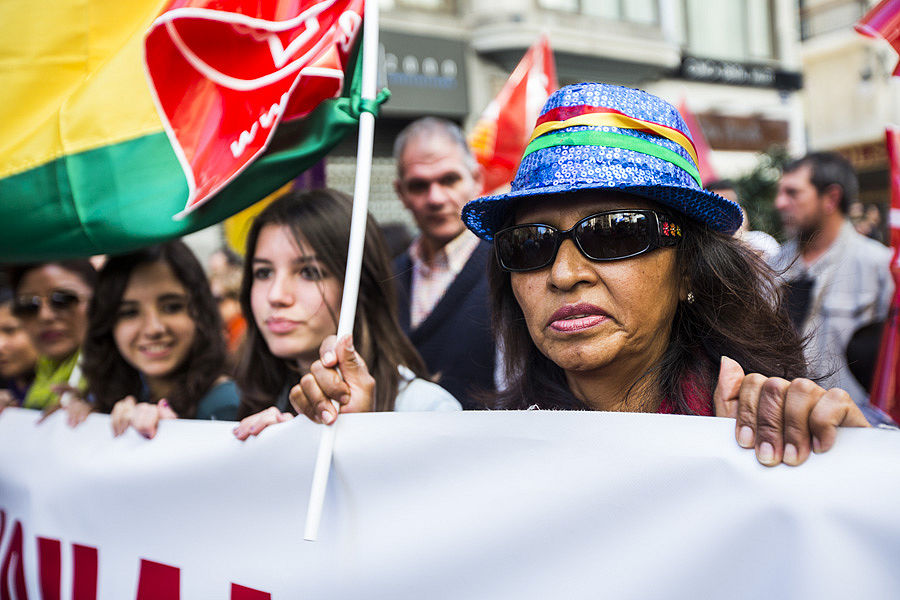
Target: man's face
434,185
798,202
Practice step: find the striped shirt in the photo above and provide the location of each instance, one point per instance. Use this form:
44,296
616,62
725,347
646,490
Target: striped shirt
431,280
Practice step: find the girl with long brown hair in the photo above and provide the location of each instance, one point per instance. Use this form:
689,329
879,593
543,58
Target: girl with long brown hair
291,293
154,348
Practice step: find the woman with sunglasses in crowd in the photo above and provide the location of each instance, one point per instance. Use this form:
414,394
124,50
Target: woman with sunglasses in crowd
17,354
51,300
154,348
617,285
291,295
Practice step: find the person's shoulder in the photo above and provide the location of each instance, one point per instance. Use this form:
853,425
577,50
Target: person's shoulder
871,244
220,403
483,250
763,243
417,394
403,258
786,255
402,263
870,251
475,268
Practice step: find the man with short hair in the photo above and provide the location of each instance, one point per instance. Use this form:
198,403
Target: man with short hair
836,279
442,278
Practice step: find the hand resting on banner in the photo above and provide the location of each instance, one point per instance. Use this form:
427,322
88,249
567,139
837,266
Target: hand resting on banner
783,420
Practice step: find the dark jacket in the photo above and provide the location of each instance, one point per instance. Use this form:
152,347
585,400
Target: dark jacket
455,339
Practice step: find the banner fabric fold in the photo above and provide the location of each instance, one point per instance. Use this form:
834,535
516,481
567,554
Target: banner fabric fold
529,504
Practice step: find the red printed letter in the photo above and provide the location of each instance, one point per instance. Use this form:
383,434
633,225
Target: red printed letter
157,580
49,567
239,592
84,584
14,552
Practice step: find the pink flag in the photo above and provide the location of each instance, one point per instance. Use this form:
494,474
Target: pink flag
224,74
501,134
883,21
707,172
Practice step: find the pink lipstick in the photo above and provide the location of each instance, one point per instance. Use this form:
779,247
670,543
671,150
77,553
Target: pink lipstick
577,317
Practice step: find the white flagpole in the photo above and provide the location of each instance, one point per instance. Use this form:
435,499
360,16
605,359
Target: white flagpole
354,254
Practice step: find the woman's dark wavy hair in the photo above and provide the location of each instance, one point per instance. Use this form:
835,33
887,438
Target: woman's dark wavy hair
81,267
110,376
736,312
322,219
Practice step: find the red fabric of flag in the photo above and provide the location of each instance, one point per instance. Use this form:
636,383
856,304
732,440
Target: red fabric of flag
707,172
885,393
883,21
225,73
501,134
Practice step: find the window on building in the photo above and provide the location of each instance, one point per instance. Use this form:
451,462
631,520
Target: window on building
635,11
824,16
729,29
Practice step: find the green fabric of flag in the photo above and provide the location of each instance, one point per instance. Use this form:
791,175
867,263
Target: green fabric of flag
122,196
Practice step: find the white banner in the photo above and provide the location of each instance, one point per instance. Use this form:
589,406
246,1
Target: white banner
441,505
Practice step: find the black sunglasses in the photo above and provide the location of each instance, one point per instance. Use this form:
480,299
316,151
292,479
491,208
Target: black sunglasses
610,235
29,306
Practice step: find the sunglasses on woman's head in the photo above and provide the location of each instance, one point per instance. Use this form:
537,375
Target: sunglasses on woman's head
610,235
29,306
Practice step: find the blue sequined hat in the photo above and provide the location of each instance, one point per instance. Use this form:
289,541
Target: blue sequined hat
596,136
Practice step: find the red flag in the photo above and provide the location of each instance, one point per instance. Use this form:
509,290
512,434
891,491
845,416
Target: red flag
224,73
501,134
883,21
885,393
707,172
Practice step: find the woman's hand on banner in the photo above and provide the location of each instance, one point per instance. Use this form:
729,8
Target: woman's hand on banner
144,417
71,400
783,420
254,424
6,399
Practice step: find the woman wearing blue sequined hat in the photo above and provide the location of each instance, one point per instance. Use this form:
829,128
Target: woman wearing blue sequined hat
617,285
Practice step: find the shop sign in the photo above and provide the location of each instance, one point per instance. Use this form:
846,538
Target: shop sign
738,73
867,156
753,134
426,75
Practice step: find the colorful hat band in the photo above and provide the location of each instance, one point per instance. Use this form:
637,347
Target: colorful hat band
592,137
601,117
634,142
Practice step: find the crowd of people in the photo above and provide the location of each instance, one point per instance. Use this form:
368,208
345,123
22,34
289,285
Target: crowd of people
606,278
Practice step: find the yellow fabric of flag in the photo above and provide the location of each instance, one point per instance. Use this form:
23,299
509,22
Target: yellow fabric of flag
72,78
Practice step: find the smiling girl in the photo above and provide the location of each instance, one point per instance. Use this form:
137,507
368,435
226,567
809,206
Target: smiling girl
154,348
291,294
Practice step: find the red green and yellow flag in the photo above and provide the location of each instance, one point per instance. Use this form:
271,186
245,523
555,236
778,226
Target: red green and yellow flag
86,165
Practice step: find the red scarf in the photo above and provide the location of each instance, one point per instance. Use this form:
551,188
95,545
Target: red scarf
699,402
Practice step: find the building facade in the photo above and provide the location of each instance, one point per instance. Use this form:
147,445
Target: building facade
734,63
849,93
